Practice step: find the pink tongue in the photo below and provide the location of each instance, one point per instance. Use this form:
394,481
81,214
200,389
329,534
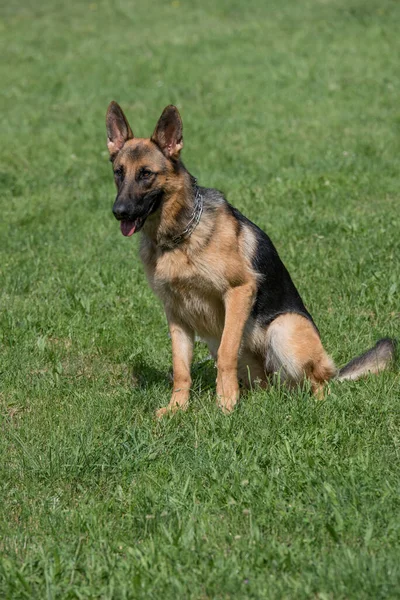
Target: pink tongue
128,227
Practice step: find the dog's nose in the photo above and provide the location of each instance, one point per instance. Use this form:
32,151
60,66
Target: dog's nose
120,211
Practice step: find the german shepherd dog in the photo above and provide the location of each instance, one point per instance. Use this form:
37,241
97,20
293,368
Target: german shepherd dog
217,274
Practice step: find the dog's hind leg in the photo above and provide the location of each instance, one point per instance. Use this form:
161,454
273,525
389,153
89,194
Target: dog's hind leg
295,351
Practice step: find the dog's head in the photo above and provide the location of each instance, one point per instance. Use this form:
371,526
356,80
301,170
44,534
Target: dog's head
145,169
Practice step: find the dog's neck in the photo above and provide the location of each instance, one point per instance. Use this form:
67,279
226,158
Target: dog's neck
178,215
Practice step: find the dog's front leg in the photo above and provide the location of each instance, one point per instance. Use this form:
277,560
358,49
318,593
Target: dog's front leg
182,352
238,303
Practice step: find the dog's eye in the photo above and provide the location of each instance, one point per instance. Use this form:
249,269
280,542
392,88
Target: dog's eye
119,173
146,173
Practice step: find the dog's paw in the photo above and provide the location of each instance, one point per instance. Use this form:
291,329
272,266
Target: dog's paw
227,393
227,404
161,412
170,409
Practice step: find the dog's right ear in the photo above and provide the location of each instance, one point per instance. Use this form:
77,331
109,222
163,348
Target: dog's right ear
118,130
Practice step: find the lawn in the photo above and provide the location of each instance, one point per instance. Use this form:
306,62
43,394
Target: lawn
292,109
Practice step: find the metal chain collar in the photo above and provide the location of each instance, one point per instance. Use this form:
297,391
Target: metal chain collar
194,221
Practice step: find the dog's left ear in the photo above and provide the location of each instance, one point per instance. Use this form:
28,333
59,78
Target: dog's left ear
168,132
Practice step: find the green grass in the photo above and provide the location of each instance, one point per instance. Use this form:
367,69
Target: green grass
292,108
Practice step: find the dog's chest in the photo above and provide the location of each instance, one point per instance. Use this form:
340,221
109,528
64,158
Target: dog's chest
192,290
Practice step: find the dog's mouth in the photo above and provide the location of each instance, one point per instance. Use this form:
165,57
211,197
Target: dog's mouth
128,227
132,225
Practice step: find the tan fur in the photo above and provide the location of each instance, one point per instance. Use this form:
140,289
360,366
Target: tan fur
209,285
182,351
238,303
192,280
295,351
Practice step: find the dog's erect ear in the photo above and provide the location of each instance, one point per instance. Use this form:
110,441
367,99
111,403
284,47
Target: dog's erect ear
118,130
168,132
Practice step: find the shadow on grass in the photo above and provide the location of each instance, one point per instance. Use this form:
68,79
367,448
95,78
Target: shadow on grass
145,376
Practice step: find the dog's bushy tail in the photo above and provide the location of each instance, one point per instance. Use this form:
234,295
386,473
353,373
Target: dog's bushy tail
373,361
